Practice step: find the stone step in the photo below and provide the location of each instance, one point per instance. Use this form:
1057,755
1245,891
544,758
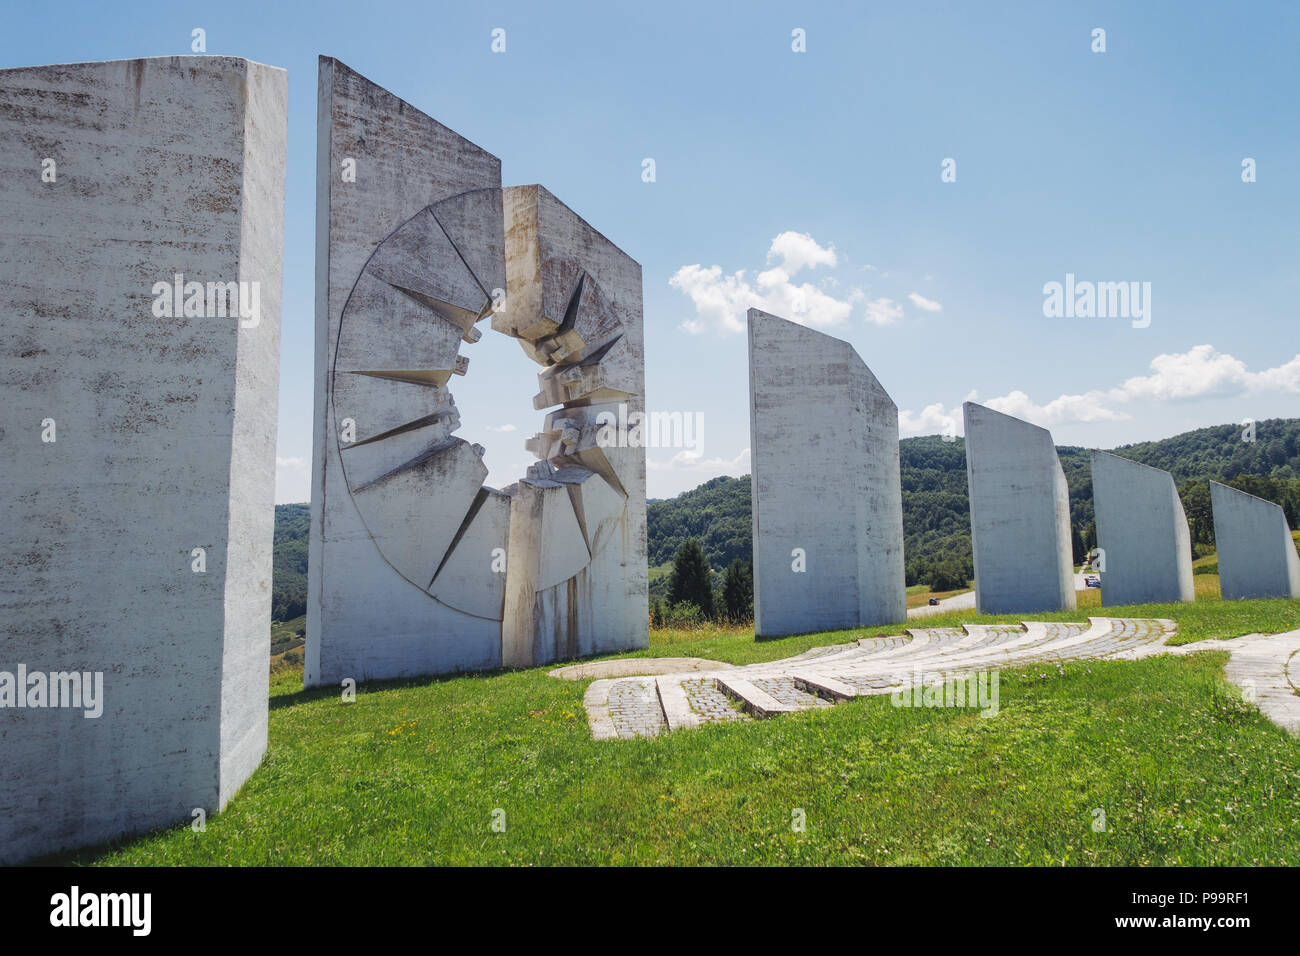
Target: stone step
823,686
676,707
757,702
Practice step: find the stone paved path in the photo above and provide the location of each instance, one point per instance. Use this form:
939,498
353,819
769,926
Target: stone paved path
1267,669
635,667
647,706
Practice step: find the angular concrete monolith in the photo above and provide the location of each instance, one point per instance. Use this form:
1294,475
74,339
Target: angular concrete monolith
827,499
141,231
416,567
1142,533
1257,556
1019,515
578,579
407,548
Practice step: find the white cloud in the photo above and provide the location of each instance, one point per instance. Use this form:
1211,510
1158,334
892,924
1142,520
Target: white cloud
883,311
693,461
798,250
921,302
933,419
1087,407
721,300
502,428
1200,372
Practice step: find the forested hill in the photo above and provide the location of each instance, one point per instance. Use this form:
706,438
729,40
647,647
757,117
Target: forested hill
289,573
936,518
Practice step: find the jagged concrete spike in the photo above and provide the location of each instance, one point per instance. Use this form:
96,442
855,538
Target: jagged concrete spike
608,374
557,269
423,262
598,506
412,528
482,542
367,461
385,329
475,223
378,405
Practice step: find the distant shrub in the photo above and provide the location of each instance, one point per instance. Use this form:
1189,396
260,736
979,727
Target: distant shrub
685,616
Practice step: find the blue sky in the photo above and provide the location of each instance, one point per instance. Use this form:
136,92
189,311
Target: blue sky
809,184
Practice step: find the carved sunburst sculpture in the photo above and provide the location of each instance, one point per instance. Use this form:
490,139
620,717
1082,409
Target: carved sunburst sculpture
418,488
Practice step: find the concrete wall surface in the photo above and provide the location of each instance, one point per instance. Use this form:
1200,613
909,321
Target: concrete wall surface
827,499
139,367
1019,515
1143,531
409,249
1257,557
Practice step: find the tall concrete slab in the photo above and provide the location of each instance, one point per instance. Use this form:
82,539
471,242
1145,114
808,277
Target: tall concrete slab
579,580
826,494
1257,556
141,234
1142,530
1019,515
416,567
402,579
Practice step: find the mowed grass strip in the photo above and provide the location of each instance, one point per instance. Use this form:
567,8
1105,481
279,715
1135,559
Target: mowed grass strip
417,772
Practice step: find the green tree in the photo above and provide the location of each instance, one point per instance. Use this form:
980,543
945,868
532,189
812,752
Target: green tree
738,591
691,583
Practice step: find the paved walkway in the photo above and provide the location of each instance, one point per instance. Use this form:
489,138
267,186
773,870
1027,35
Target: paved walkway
634,666
647,706
966,601
958,602
1267,669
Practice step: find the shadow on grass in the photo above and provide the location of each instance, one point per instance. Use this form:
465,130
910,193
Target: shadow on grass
279,701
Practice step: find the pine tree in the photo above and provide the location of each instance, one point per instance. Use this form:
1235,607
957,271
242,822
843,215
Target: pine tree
738,591
690,582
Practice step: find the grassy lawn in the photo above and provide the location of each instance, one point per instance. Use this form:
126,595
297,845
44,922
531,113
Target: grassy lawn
412,772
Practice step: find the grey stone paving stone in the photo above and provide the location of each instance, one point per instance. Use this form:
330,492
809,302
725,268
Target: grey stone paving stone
758,703
711,704
786,691
634,708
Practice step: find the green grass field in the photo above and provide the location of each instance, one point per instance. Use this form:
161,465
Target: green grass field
413,772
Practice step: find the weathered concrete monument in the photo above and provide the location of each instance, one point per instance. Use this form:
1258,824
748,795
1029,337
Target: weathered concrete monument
416,567
1019,515
826,493
140,302
1142,531
1257,556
